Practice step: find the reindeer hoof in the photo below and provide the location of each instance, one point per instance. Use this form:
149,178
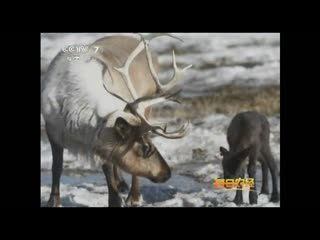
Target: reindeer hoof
275,197
238,201
116,201
54,201
253,198
134,201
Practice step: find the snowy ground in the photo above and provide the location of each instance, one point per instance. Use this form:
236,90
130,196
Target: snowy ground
219,60
184,189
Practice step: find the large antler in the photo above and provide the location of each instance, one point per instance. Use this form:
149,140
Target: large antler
164,92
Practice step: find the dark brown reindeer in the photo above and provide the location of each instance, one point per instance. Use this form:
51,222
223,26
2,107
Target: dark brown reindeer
101,105
248,136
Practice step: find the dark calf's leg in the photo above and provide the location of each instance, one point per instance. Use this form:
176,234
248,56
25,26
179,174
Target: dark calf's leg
265,176
134,198
275,197
120,182
114,197
253,196
57,166
239,197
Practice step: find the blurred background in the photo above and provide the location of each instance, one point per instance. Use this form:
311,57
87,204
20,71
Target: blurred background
231,73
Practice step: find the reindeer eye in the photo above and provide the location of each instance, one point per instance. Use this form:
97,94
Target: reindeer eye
145,148
148,150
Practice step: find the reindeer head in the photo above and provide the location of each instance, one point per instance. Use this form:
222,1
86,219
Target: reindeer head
135,153
233,162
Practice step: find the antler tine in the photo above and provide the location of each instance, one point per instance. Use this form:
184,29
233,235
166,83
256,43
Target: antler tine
145,40
140,107
175,134
124,70
178,73
112,93
105,67
151,36
141,104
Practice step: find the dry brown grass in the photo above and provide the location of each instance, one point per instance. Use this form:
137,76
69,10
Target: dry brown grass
228,100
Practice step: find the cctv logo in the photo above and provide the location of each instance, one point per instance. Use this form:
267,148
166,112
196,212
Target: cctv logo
79,52
79,49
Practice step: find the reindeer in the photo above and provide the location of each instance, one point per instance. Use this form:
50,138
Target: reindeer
101,105
248,135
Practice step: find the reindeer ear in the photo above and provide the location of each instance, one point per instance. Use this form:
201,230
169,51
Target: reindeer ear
128,117
123,128
223,151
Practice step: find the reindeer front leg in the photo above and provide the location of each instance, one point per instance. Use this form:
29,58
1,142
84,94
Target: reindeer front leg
57,166
114,197
238,200
120,182
134,198
253,157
